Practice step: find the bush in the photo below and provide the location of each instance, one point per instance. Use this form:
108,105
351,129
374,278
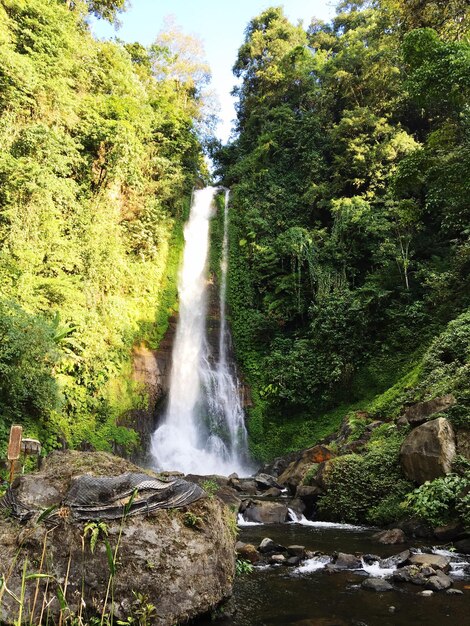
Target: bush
366,488
439,501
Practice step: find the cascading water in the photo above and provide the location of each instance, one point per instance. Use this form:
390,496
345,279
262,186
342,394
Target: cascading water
203,430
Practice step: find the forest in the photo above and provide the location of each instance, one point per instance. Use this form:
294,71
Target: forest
350,258
100,150
349,262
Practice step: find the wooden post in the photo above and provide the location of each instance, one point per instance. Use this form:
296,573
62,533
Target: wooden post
14,448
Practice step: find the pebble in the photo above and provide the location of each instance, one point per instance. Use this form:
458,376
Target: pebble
454,592
426,593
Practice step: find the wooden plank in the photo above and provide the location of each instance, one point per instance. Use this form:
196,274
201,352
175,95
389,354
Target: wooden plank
14,446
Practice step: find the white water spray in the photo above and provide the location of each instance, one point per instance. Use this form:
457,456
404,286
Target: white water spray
203,430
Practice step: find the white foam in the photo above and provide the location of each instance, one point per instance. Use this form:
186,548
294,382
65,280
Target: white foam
312,565
376,571
241,521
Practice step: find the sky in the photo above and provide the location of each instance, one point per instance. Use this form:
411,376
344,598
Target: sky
219,24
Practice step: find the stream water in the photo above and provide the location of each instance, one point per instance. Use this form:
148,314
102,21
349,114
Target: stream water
203,429
309,596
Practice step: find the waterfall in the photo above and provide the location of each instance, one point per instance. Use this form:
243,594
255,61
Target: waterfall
203,430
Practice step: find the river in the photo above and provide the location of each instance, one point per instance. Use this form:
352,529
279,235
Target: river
281,596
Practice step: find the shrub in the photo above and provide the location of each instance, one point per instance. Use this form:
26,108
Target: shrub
438,501
369,487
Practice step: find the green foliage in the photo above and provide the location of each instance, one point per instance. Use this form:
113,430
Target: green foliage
349,212
95,530
210,486
437,502
243,567
143,612
191,520
99,155
367,488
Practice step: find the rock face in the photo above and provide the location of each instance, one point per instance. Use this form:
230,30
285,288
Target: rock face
428,451
180,560
151,371
418,413
293,475
264,512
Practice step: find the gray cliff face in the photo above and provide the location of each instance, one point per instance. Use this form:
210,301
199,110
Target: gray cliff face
179,560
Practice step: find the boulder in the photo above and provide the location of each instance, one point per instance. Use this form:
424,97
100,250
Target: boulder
347,561
463,546
377,584
180,560
308,493
247,551
436,561
229,496
439,582
409,574
391,537
268,546
265,481
265,512
449,532
296,471
296,551
397,560
277,559
273,492
244,485
417,414
428,451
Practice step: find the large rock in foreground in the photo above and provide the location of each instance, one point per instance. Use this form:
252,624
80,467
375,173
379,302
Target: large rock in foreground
428,451
179,560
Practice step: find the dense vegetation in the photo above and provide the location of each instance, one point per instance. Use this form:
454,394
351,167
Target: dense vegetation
350,255
100,150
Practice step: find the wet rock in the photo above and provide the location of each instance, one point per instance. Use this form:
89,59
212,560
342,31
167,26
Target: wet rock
439,582
273,492
370,558
391,537
265,512
293,561
397,560
416,528
409,574
426,593
307,493
184,569
347,561
298,506
247,551
463,546
428,451
454,592
229,496
244,485
449,532
277,559
417,414
377,584
296,551
267,546
265,481
435,561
